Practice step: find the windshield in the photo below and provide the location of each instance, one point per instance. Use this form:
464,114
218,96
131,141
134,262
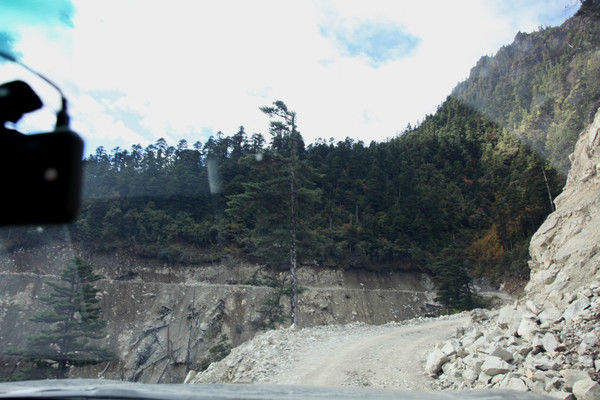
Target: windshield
270,166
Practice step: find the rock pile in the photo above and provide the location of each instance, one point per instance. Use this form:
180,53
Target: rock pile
525,347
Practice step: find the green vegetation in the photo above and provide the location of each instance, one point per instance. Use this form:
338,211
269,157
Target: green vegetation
217,352
457,196
74,327
544,87
271,311
457,181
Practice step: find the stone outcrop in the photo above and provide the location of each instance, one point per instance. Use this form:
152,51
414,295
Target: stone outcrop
565,251
548,342
162,319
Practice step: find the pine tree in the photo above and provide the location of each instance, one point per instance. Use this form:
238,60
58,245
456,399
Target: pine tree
283,129
74,326
267,212
454,290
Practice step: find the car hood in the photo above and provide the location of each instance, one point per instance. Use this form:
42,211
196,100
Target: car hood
107,389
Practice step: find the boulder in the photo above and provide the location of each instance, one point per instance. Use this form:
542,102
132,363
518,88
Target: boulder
451,347
435,360
512,340
516,384
576,308
532,307
451,370
552,384
549,343
524,350
527,328
473,362
509,319
471,336
586,389
479,343
562,395
539,376
469,376
571,376
501,352
586,361
541,362
505,316
588,341
494,365
549,315
484,378
498,379
479,315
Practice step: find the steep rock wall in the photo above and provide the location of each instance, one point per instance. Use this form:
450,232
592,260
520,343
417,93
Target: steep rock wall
162,319
565,251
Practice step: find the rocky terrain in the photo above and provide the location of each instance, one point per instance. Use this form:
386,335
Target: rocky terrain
164,319
548,342
378,356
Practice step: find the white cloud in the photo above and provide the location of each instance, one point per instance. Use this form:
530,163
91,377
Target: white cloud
186,66
100,126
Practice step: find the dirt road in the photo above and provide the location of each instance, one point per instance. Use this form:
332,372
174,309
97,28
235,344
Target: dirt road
393,359
384,356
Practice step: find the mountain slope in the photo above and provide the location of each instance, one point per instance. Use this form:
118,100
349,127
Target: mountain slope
457,196
544,87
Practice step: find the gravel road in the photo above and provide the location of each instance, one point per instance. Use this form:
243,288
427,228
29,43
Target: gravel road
385,356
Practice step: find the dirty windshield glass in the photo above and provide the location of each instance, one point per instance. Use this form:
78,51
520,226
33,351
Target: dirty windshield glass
308,193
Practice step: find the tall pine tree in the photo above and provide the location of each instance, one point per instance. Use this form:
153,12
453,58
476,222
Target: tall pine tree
74,326
266,215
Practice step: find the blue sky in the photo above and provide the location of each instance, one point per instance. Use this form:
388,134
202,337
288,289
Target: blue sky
137,70
378,42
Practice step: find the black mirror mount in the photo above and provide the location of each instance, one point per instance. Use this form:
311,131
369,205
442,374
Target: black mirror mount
40,175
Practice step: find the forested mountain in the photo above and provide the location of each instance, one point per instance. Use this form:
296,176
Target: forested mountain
544,87
457,196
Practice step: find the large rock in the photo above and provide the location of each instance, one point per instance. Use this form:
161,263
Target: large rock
549,315
576,308
516,384
471,337
435,360
527,328
571,376
588,342
451,347
541,362
586,389
494,365
549,342
509,318
501,352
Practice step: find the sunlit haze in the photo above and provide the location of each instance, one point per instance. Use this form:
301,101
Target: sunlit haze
135,71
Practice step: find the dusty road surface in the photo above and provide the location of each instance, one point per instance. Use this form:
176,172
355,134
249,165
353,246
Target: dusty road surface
391,359
386,356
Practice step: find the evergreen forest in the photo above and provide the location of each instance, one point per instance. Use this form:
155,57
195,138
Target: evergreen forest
456,196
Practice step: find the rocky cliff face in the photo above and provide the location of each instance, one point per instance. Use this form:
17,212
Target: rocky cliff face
549,341
565,251
163,319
